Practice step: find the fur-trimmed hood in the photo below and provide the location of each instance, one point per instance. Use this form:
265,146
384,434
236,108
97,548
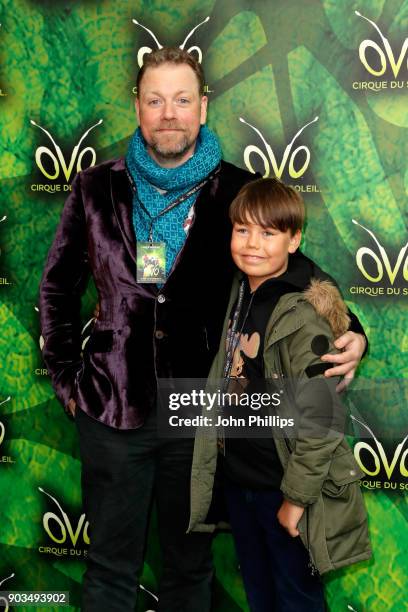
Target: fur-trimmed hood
328,303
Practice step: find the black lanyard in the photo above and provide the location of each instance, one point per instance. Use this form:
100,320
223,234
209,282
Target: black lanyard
233,343
234,337
182,198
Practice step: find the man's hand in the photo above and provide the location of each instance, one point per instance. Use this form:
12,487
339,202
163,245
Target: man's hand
72,406
289,516
352,346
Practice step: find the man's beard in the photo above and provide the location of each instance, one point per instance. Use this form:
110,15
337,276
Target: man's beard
171,149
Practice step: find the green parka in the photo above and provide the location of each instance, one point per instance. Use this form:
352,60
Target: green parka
320,473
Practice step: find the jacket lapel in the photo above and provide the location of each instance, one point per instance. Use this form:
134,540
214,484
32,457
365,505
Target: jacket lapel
121,196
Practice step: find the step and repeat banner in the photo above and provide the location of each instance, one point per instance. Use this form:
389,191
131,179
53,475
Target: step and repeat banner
313,92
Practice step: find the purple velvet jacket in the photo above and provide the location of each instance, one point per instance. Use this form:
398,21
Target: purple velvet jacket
142,333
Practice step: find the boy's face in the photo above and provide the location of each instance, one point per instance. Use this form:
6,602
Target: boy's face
261,253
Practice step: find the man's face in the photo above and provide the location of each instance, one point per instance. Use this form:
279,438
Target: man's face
170,110
261,253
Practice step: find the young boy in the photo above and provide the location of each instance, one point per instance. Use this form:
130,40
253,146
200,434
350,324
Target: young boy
294,505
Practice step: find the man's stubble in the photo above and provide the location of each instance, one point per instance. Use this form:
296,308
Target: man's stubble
172,147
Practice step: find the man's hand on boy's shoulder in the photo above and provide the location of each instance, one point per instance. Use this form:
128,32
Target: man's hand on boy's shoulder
352,347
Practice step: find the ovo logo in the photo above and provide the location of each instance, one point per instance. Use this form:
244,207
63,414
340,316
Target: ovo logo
288,154
379,456
58,159
2,428
63,524
3,600
381,261
383,54
143,50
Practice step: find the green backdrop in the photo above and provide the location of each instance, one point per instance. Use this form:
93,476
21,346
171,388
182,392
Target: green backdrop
308,90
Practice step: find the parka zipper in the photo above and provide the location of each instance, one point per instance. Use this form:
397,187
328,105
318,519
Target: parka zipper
311,565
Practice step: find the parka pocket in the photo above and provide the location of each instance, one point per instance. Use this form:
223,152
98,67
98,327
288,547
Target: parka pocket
342,472
344,511
337,534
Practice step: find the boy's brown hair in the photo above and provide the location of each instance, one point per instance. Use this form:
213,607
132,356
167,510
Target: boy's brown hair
171,55
269,203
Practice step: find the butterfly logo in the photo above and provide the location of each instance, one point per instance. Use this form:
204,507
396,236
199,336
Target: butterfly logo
143,50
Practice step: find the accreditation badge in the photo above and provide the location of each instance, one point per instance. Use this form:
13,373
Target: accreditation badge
151,262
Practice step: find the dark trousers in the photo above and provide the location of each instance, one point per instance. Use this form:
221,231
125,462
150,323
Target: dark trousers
274,565
121,472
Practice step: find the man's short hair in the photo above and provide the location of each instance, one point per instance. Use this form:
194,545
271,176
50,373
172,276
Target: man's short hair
171,55
269,203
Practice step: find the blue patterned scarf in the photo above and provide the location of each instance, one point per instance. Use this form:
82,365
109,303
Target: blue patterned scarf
148,176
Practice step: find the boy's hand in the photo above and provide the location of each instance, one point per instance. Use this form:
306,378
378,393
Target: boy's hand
353,346
289,516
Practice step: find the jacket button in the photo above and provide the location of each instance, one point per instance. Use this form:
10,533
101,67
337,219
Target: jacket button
159,334
161,298
353,473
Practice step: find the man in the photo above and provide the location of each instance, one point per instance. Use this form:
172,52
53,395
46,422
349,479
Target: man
172,188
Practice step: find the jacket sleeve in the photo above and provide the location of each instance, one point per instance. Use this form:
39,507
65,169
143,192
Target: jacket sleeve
63,282
320,415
